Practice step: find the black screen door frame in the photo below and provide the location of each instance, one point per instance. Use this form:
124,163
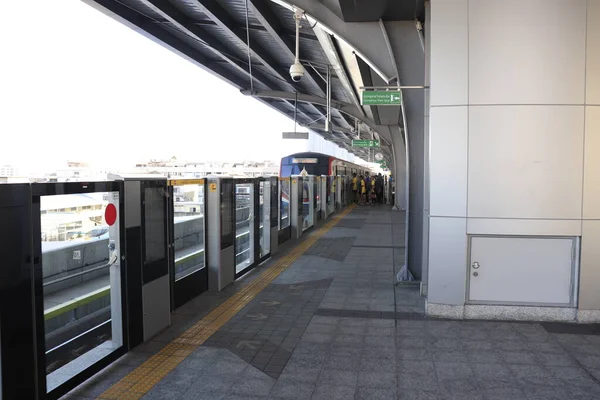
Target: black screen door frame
256,222
196,283
154,269
49,189
284,234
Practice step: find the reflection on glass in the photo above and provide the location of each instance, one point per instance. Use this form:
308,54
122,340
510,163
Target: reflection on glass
81,281
188,213
227,221
284,209
265,221
244,232
318,194
155,224
330,194
307,205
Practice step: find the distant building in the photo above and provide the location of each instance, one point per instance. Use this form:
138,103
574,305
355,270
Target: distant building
174,169
8,171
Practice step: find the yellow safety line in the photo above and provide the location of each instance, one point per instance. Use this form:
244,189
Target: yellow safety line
143,378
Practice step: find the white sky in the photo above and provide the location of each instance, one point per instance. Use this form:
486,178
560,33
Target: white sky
77,85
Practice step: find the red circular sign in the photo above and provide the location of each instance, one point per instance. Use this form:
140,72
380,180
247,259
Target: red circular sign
110,214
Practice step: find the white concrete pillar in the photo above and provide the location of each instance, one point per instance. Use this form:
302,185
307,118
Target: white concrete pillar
514,135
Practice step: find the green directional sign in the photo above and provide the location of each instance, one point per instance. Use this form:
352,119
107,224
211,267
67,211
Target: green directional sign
381,98
382,163
365,143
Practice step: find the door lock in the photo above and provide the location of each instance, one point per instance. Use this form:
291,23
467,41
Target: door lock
475,265
475,273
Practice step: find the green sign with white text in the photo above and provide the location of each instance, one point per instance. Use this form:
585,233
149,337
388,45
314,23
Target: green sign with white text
365,143
381,98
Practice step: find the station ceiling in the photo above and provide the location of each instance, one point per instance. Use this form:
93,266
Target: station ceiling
213,35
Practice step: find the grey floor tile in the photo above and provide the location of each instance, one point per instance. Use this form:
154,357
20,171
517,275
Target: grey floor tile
376,379
101,382
377,364
546,392
292,390
416,367
449,355
327,391
348,339
203,395
453,370
473,395
233,396
588,361
483,356
509,393
177,382
518,357
338,377
212,384
514,346
459,385
375,393
419,354
547,347
478,345
345,363
422,383
253,387
553,359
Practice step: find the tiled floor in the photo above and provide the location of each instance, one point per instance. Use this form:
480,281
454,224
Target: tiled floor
334,326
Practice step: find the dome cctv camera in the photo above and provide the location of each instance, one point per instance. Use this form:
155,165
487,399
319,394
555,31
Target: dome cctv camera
297,71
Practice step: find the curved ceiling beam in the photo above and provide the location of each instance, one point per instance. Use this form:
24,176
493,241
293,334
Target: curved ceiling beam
334,60
364,37
345,108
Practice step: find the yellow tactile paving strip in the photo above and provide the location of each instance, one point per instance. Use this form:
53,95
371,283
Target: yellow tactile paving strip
138,382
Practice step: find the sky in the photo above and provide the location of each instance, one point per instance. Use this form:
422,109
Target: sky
78,85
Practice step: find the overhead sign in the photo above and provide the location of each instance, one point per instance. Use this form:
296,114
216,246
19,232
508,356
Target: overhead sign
381,98
365,143
295,135
305,160
382,163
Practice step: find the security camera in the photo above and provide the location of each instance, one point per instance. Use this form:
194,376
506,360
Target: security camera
297,71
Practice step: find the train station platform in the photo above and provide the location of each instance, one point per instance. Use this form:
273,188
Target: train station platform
324,319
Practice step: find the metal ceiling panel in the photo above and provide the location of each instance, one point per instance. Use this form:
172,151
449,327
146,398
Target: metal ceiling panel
231,69
189,40
190,8
267,42
276,82
236,49
142,9
236,10
221,47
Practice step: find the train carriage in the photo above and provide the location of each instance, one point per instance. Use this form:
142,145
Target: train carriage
318,164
